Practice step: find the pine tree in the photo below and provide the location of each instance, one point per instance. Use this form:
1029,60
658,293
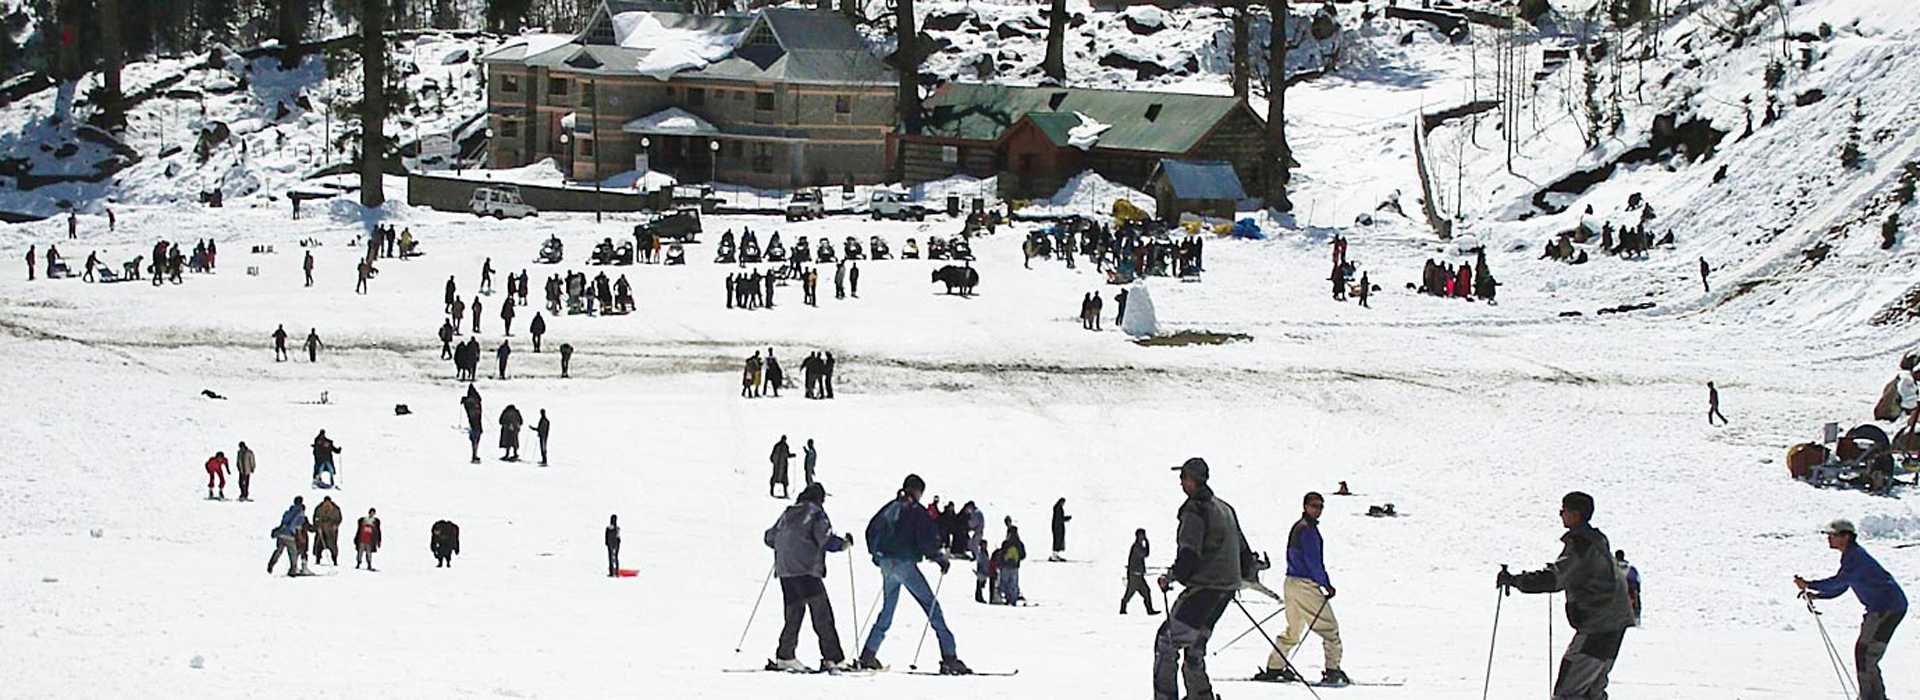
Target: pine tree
1279,154
373,102
1590,81
1054,66
1242,47
1890,231
1851,157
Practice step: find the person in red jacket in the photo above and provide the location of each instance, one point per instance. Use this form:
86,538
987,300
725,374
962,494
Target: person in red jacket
217,470
366,540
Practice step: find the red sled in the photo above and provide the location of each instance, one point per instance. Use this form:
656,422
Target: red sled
627,573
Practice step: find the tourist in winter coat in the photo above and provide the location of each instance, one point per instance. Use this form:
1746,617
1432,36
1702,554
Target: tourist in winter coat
983,572
566,358
1137,573
501,353
1012,552
243,467
801,539
446,340
773,374
1308,594
444,540
217,469
976,526
1596,594
506,318
779,457
811,459
613,545
326,523
899,536
1885,603
323,452
510,422
292,522
313,345
280,343
1060,519
542,429
366,540
1212,560
538,327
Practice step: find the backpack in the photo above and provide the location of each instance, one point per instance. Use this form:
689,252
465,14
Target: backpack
883,530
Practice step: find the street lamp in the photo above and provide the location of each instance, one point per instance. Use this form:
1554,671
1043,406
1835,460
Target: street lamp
566,141
713,161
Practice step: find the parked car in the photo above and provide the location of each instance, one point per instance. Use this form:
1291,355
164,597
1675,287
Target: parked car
682,225
500,201
806,204
696,196
889,204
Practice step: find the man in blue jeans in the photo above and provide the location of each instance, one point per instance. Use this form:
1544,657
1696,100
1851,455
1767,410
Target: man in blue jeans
899,536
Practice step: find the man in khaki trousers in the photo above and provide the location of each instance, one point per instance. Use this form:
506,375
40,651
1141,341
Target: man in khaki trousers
1307,592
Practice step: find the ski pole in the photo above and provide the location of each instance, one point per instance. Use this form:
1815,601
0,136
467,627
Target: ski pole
1243,635
1833,654
915,666
1499,596
1303,635
1276,647
756,610
1549,643
853,599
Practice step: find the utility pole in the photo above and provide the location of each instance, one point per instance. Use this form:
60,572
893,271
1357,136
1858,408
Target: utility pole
594,86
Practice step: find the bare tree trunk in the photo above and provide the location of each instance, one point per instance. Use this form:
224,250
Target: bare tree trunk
1279,154
373,101
907,38
290,26
1055,64
1242,39
112,57
444,16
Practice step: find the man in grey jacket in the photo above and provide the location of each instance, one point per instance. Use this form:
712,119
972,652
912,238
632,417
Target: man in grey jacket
1212,561
1597,605
800,540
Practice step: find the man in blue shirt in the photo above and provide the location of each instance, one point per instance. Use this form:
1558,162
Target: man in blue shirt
1307,592
1886,604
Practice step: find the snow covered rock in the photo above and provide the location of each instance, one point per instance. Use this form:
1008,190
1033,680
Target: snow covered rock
1140,321
1144,19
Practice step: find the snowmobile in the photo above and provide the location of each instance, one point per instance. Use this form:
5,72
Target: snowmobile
911,251
853,249
749,248
960,249
936,248
823,252
606,253
878,246
801,253
723,253
676,255
550,251
776,251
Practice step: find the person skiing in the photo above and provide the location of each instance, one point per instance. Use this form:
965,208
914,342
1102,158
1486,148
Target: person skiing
217,469
243,467
444,540
313,345
566,358
1307,594
323,452
812,457
541,429
1713,405
613,546
510,422
1879,593
1060,519
779,457
537,327
899,535
501,353
1212,559
446,340
1596,600
326,522
1137,573
291,522
366,540
801,539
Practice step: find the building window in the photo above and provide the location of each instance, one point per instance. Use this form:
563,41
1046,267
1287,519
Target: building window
586,147
696,97
762,158
586,93
842,104
509,82
509,129
763,101
557,87
949,154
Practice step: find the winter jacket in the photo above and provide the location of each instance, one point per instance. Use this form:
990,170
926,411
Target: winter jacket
1304,552
801,539
1012,553
294,520
246,462
902,531
1211,552
323,449
445,537
1137,558
366,534
1060,519
217,463
613,536
327,514
1875,588
1596,589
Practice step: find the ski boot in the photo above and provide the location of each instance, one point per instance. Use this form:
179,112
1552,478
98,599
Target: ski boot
1277,675
953,666
1334,678
841,666
788,665
869,663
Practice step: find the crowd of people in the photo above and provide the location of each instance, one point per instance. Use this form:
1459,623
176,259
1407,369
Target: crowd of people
762,375
1470,280
1133,250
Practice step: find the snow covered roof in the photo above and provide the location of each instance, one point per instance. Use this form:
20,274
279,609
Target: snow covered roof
672,121
1154,122
774,44
1201,179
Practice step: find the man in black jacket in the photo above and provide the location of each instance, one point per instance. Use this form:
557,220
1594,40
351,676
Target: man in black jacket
613,545
1137,573
1597,605
1212,561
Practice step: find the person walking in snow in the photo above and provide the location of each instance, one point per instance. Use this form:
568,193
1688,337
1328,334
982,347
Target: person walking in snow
1366,291
280,343
1713,405
506,317
840,280
826,375
510,422
363,270
446,340
810,460
1137,573
899,535
1307,594
1885,603
313,345
986,588
292,522
566,358
243,467
542,429
853,280
1596,595
326,523
1060,519
366,540
444,540
613,546
307,267
486,276
501,353
1212,559
1704,269
801,539
1120,308
474,310
30,262
774,376
537,327
217,469
780,457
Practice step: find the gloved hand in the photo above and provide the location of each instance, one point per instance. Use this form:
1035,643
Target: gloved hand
1330,593
944,565
849,538
1505,579
1165,583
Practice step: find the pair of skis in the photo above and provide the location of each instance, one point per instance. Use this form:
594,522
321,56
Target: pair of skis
862,673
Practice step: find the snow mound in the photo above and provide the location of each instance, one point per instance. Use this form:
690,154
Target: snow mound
1087,133
671,50
1089,193
1140,321
670,121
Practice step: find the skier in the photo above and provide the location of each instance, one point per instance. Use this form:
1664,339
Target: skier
566,358
1060,519
313,345
366,540
217,469
613,545
538,327
1596,600
446,340
323,452
444,540
501,354
291,522
1212,560
1012,551
800,539
1308,593
1137,573
899,536
244,465
510,422
812,457
307,266
541,429
326,522
780,455
1885,602
1713,405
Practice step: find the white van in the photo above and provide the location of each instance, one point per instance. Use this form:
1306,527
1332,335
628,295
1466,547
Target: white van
893,204
499,201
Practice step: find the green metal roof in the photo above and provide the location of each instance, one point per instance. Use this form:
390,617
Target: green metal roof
1160,122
